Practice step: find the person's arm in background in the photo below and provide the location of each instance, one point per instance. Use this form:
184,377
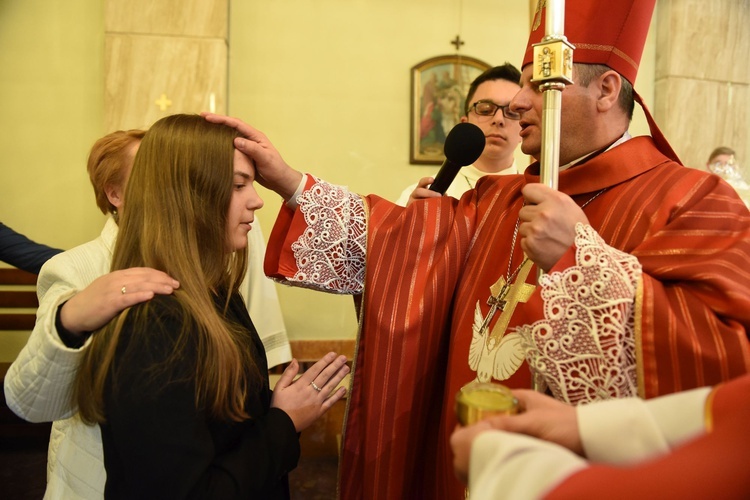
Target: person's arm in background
23,253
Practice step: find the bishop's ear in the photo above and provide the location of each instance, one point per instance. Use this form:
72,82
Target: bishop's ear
610,83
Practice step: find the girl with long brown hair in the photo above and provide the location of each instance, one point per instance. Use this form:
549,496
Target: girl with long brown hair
179,385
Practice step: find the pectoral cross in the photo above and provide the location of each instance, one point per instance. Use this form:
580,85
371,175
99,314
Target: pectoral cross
496,301
504,294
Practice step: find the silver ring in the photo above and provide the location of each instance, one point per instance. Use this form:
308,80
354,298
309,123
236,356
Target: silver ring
123,290
315,387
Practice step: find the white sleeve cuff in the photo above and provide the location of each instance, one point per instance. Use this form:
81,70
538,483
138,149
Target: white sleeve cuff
681,416
624,431
507,465
292,202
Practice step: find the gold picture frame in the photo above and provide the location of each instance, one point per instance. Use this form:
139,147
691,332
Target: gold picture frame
438,92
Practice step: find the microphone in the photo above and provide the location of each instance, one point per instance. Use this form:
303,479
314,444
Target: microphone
463,145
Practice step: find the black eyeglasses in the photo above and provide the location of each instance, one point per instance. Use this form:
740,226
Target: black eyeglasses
489,108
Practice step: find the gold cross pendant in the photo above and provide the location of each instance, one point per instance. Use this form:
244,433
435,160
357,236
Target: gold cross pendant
519,291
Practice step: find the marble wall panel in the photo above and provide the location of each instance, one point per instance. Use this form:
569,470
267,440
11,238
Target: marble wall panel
191,73
702,87
200,18
698,115
703,39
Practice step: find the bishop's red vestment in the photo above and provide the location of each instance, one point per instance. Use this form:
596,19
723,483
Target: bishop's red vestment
653,298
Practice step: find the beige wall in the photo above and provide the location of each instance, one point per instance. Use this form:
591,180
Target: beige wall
327,80
51,94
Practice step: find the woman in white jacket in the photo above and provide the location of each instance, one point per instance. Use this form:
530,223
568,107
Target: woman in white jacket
77,294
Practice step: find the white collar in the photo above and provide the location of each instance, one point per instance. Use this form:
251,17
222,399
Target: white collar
625,137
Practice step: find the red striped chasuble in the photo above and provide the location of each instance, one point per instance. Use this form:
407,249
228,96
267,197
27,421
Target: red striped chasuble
429,265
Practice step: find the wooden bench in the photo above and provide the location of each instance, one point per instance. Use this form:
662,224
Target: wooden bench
18,304
17,297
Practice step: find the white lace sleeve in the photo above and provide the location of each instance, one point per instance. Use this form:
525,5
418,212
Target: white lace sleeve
330,254
584,348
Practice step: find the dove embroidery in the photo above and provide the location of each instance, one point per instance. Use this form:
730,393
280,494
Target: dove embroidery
493,357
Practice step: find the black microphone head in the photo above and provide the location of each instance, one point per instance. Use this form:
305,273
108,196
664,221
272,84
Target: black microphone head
464,144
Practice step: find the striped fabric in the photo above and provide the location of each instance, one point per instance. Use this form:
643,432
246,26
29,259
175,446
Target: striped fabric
428,265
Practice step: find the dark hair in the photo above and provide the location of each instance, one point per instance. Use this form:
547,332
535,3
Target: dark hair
587,72
721,150
505,72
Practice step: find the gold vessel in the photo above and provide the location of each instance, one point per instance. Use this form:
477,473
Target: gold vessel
479,400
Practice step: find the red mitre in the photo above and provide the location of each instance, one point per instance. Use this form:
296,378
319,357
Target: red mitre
609,33
612,33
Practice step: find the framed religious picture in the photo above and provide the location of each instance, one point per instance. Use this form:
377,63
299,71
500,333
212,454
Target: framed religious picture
438,92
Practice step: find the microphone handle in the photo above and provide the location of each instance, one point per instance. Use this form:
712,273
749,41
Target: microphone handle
445,176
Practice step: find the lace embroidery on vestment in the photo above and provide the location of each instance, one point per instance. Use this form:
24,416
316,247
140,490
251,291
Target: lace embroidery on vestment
330,254
584,348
